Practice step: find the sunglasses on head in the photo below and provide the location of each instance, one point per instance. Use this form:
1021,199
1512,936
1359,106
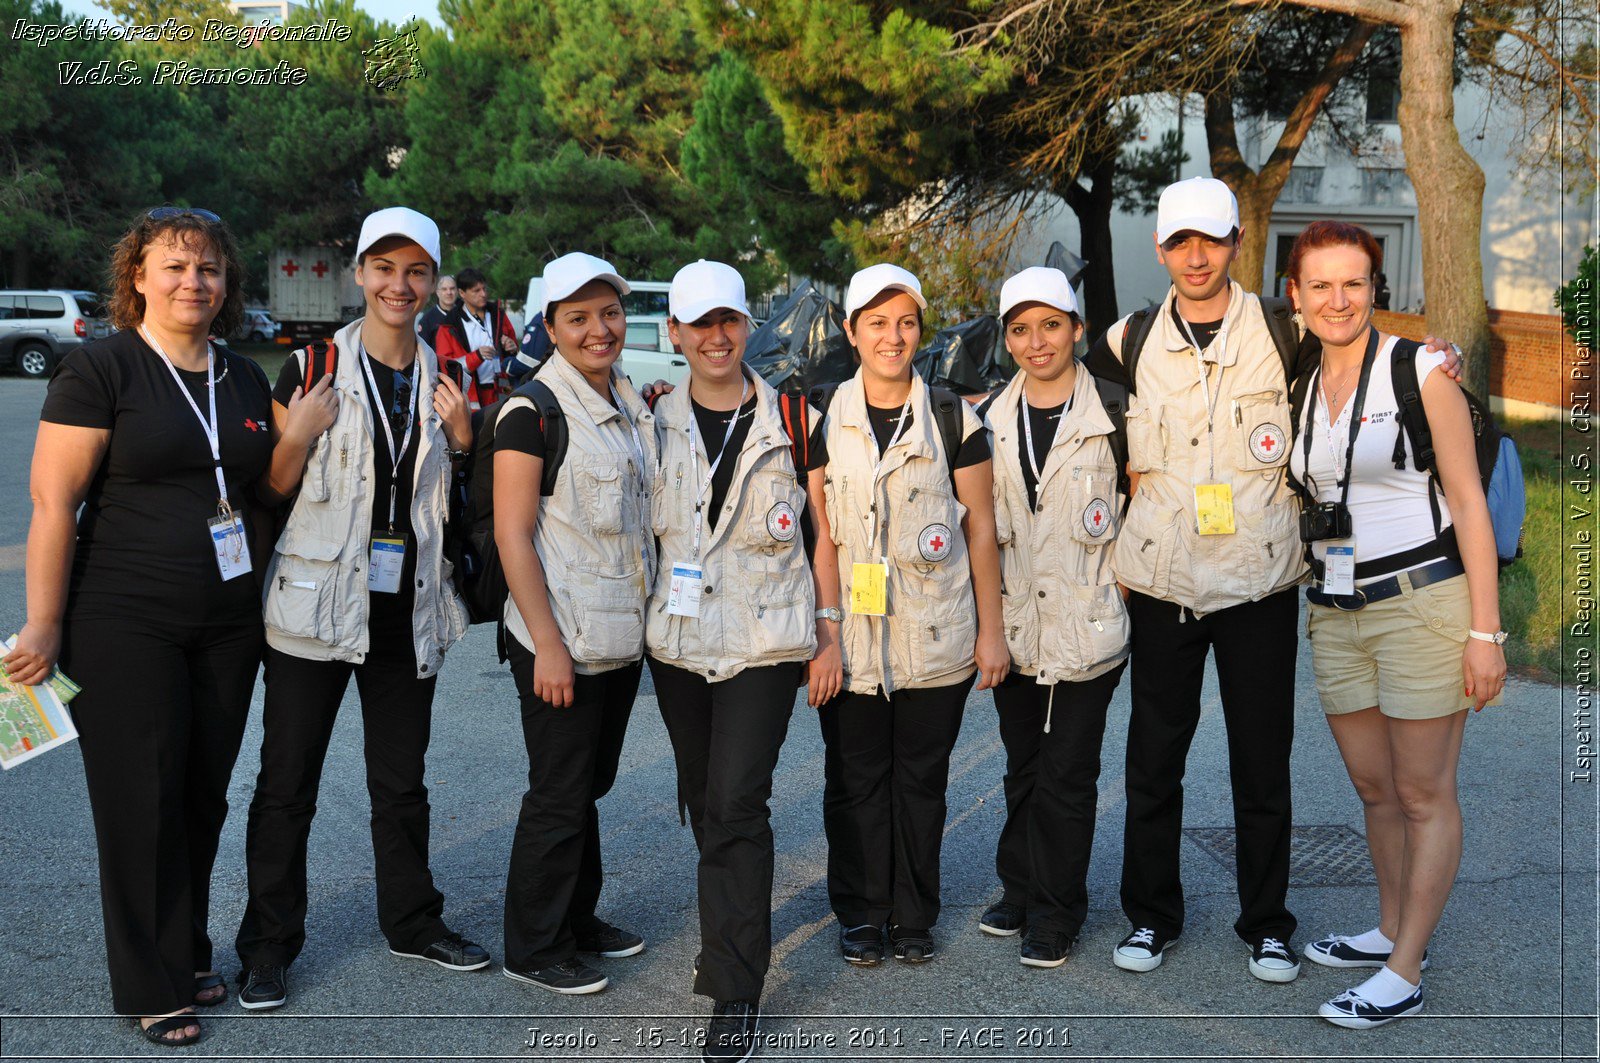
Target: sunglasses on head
163,213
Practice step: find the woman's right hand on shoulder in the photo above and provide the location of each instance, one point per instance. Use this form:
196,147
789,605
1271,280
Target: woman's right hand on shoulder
553,676
34,655
311,413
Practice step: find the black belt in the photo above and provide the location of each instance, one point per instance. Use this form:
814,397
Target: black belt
1387,588
1406,559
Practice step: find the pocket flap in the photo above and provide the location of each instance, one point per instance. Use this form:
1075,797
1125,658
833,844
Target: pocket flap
310,546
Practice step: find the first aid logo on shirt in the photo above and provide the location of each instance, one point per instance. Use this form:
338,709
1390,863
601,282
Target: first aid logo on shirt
1266,443
781,522
1096,517
935,542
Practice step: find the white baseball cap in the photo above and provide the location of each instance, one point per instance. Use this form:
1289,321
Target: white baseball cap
1203,204
400,221
873,281
704,286
1038,284
567,274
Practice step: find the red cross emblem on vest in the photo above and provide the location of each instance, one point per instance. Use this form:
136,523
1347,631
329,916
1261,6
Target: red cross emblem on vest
1264,443
780,522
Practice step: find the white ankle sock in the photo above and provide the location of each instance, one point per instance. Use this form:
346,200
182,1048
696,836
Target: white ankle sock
1386,988
1372,941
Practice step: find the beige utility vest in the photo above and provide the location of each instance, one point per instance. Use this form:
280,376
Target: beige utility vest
928,637
317,601
592,536
757,602
1064,616
1170,444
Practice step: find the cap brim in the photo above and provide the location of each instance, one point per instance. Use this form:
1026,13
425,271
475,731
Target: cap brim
376,240
611,278
695,311
1208,226
893,287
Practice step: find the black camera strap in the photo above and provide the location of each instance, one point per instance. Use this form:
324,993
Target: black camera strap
1356,403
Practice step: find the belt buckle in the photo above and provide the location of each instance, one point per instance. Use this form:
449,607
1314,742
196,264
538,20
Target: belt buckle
1338,601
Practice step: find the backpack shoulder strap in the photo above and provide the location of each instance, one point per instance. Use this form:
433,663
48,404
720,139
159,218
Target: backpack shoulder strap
983,408
1114,400
1279,316
796,413
1140,323
318,360
554,426
947,412
1413,418
821,396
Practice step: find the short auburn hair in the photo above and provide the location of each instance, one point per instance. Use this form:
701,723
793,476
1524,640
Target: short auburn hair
1329,233
189,231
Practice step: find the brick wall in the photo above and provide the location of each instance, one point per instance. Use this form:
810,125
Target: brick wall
1533,356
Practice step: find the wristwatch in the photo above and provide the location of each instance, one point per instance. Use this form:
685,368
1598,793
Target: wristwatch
1498,638
832,612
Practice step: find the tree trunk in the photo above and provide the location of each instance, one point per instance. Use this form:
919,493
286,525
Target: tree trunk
1449,187
1092,206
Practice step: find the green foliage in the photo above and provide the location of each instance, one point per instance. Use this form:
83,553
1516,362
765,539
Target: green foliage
1575,300
1143,172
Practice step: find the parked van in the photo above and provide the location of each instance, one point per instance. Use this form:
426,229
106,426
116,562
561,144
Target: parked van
38,326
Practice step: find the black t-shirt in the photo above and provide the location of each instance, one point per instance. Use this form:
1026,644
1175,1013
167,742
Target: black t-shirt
713,425
144,548
520,430
1045,421
974,448
389,615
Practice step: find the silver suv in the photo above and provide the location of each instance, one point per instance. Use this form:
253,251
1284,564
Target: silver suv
38,326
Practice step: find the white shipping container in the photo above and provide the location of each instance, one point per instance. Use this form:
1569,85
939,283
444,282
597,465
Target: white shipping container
313,284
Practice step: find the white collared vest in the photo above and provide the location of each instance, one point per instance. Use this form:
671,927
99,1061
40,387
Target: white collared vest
317,601
929,635
1064,616
757,601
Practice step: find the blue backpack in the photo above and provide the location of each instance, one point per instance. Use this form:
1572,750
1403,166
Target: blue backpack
1499,464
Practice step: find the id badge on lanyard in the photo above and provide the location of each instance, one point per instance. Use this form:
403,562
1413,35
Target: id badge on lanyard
226,529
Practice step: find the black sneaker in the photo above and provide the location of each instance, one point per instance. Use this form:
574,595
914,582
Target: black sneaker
1046,948
911,944
452,952
1272,960
1142,950
732,1033
1355,1012
569,978
1003,919
862,945
602,939
1336,951
265,987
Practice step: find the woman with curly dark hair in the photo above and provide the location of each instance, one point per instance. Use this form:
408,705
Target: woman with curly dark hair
150,596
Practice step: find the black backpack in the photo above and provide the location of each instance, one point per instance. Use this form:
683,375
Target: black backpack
469,534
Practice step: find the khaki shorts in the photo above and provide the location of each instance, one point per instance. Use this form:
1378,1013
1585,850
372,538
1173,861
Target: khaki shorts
1402,654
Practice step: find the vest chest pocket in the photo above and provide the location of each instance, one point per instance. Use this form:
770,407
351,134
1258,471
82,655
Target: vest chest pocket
603,493
1261,431
1092,505
836,497
316,483
1147,448
771,515
924,526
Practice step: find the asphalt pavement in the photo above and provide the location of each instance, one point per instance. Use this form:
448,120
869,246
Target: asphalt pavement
1514,962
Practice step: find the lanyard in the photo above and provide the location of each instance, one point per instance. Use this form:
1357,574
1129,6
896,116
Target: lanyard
638,450
1354,410
388,434
877,465
1027,435
694,462
1220,342
210,427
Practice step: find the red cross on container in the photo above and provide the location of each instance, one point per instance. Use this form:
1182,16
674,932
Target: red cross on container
320,269
290,267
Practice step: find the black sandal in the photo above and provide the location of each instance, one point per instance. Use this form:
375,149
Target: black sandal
156,1032
204,983
862,945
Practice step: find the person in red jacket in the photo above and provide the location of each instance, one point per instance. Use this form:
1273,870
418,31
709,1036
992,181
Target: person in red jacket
478,333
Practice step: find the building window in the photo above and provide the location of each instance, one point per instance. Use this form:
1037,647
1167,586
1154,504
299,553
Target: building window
1384,188
1383,77
1303,186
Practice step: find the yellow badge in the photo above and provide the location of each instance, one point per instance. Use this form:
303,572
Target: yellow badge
1213,504
869,589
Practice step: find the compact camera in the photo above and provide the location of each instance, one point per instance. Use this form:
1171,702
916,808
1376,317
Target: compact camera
1325,520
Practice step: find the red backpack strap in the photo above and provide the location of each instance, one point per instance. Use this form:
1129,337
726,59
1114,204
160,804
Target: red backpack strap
796,415
321,358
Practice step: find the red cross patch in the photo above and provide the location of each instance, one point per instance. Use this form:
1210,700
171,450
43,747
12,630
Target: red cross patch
1266,443
935,542
1096,517
781,523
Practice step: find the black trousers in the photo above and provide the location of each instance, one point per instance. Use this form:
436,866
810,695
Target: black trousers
887,764
1255,645
725,739
396,715
1051,793
159,721
554,882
